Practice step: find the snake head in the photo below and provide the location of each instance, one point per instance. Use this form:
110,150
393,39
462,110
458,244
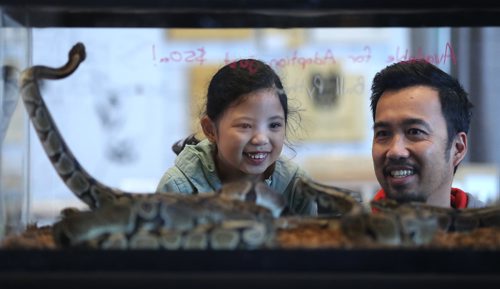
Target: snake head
331,200
255,192
269,198
78,50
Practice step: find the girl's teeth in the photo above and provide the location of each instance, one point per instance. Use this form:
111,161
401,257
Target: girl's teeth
257,156
401,173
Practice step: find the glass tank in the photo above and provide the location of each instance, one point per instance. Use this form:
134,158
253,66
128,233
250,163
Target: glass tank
14,161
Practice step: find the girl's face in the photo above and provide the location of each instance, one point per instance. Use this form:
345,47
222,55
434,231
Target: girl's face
249,136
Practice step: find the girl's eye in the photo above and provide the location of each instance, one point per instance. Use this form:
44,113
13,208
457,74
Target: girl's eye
276,125
244,125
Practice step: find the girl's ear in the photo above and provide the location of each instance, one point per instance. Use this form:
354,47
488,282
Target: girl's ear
209,128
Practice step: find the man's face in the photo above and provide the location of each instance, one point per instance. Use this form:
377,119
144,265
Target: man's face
410,150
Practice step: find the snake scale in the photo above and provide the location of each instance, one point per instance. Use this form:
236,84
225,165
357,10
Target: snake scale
240,215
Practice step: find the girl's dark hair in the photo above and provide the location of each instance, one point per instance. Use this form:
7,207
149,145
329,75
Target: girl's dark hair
238,78
455,105
231,82
178,146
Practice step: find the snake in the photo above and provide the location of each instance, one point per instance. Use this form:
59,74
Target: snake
170,221
448,219
238,215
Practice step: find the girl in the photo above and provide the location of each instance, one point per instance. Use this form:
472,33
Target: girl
245,125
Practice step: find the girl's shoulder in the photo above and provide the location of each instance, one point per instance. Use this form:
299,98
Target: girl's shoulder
286,166
196,157
174,180
195,167
285,173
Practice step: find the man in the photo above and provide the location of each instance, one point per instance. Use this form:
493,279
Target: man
421,120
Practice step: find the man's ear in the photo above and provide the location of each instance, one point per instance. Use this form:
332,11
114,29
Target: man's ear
459,148
209,128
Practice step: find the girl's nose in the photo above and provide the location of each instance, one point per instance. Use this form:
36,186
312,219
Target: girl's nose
260,138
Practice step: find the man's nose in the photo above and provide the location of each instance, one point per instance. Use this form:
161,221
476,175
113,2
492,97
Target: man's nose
398,148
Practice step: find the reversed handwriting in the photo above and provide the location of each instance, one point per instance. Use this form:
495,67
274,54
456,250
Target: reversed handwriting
436,58
325,57
189,56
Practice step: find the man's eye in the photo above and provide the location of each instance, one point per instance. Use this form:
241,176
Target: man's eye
415,131
381,133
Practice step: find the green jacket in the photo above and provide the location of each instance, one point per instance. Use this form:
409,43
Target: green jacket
195,172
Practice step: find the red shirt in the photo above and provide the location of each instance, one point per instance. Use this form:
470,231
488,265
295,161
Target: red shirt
458,198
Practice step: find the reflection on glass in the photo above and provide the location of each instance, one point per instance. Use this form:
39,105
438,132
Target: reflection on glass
141,90
13,197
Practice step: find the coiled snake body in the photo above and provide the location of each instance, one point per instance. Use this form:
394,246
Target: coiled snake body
121,219
241,215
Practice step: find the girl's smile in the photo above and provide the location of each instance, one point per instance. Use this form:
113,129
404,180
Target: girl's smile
249,136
